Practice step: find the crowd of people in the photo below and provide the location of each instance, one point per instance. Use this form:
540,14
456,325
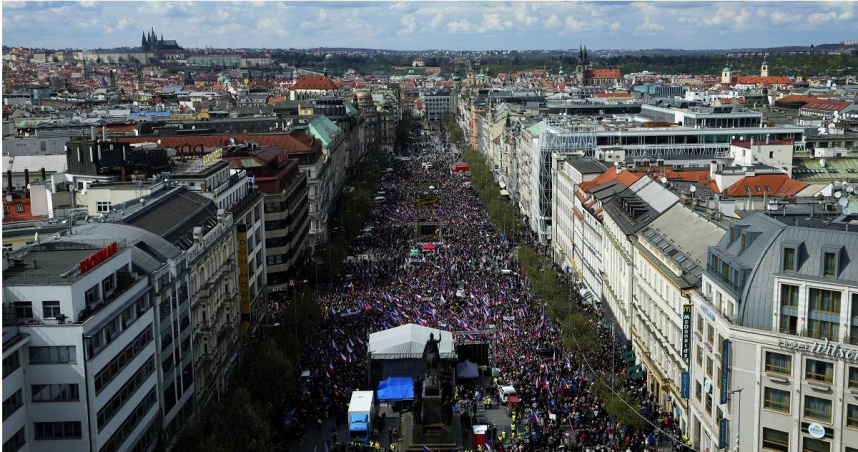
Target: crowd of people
470,283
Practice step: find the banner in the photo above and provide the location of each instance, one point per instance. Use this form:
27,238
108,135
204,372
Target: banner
725,369
243,280
686,332
686,383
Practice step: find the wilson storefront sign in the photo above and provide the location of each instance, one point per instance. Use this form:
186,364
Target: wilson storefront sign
824,348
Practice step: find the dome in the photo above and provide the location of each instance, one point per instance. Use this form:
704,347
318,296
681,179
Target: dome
221,79
364,95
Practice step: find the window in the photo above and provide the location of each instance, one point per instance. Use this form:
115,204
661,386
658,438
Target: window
53,355
12,403
853,378
19,208
817,408
824,301
814,445
117,364
709,367
776,399
91,295
102,206
853,329
11,363
778,363
710,333
50,309
852,416
775,440
698,389
57,430
829,264
700,323
131,422
16,441
819,371
108,284
106,413
700,356
789,260
789,296
24,309
55,393
6,211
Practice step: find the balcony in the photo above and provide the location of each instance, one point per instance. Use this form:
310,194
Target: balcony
723,280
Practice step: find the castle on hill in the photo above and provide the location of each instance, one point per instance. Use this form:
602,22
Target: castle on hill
151,43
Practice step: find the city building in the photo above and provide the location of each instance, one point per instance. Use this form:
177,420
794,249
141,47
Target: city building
194,225
786,295
80,356
279,177
437,103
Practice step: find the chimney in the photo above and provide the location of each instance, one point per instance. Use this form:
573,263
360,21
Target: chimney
751,147
92,133
9,181
104,133
44,176
713,168
767,138
221,215
198,234
26,177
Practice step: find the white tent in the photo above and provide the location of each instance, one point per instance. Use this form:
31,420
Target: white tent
407,342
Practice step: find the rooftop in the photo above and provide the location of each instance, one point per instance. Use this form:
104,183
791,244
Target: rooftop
50,263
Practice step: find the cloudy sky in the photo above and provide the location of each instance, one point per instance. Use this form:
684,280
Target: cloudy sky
431,25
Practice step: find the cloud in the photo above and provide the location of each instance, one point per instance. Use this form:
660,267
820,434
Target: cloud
615,26
408,24
574,25
493,22
459,26
650,27
551,22
436,21
780,17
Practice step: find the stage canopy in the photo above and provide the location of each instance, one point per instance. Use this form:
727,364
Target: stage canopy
467,369
407,342
396,389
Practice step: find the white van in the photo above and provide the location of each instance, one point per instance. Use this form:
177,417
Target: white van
506,391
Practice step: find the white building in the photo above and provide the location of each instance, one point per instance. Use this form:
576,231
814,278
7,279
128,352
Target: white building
669,258
438,103
790,297
569,172
89,363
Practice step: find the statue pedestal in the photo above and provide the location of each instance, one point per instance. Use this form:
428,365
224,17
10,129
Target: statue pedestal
432,405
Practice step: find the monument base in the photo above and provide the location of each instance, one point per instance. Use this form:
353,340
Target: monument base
437,437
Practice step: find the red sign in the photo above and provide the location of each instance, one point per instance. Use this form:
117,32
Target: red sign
97,258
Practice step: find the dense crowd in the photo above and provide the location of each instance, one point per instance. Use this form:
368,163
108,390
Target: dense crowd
469,282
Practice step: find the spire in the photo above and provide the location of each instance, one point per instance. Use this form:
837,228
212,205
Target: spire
580,54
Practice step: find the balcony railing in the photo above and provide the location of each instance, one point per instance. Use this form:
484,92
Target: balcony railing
716,275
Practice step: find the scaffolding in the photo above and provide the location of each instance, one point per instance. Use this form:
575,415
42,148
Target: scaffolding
562,135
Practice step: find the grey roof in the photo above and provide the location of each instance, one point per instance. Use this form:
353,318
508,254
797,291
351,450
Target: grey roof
685,239
639,204
149,251
175,217
587,165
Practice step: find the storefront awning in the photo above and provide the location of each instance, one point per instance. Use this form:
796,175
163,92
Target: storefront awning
636,375
634,368
504,193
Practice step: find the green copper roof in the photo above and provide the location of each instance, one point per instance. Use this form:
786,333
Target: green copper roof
350,109
324,129
535,130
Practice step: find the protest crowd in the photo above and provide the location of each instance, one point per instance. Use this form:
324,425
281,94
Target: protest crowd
469,283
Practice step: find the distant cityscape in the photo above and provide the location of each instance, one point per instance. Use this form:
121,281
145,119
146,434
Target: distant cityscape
165,208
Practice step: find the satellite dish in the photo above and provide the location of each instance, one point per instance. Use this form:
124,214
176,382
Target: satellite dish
744,168
838,194
843,201
693,188
850,189
159,142
663,180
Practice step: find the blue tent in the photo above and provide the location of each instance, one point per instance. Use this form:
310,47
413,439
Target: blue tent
395,389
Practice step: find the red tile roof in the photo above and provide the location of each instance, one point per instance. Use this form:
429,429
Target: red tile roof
624,177
604,73
314,82
826,105
777,184
756,80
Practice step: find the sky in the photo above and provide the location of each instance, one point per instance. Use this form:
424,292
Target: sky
421,25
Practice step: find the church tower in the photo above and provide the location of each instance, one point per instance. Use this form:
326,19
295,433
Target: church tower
764,69
727,75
